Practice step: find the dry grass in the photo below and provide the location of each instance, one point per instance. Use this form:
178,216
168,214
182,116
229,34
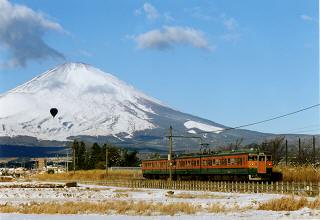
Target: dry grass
91,175
315,204
299,173
128,190
216,208
289,204
107,207
195,196
6,179
121,195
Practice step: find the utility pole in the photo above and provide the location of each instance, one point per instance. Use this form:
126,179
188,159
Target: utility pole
314,149
286,152
74,159
300,150
170,154
67,165
107,155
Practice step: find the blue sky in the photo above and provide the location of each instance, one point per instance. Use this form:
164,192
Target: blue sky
233,62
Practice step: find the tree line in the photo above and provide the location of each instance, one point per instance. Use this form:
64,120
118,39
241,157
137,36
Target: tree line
94,157
303,151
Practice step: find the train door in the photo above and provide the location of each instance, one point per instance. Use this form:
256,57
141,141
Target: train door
262,164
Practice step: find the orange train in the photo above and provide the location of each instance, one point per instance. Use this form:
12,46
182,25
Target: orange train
233,165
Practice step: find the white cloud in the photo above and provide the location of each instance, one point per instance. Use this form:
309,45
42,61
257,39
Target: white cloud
168,17
307,18
171,36
198,13
21,33
150,11
232,27
230,24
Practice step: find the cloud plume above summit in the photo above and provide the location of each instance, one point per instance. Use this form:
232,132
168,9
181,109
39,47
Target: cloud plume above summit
21,34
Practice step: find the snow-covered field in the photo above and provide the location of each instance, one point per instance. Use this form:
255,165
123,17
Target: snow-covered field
93,193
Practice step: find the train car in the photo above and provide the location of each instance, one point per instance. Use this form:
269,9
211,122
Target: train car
232,165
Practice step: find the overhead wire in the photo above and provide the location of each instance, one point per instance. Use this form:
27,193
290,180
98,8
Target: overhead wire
262,121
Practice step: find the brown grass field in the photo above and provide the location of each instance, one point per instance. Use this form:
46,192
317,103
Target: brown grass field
91,175
289,204
106,207
299,173
123,207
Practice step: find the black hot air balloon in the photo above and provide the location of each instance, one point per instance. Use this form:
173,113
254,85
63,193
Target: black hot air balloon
53,112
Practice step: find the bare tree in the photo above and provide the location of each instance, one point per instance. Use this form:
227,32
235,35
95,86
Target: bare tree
275,147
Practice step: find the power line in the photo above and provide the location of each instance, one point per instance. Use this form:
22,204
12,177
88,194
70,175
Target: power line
263,121
300,129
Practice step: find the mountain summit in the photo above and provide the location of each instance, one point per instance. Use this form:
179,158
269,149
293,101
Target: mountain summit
93,103
90,102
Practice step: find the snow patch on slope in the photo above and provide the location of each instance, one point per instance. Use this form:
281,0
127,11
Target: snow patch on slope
203,127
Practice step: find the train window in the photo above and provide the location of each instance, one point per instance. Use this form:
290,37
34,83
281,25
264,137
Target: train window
217,161
262,158
213,162
223,161
253,158
204,163
233,161
228,161
188,163
269,158
193,163
198,162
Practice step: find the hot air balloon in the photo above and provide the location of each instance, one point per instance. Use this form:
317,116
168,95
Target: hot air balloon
53,112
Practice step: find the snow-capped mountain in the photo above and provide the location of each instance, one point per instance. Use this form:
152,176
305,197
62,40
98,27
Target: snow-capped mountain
93,103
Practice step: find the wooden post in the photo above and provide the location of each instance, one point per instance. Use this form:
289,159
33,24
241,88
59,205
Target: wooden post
170,153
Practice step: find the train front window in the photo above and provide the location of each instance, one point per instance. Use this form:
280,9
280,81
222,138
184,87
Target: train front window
262,158
253,158
269,158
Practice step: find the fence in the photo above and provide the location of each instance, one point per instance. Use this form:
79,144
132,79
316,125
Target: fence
307,189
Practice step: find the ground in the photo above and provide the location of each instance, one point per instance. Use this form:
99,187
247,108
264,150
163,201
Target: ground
237,206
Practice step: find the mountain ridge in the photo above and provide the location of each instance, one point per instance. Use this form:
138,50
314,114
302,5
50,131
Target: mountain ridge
97,106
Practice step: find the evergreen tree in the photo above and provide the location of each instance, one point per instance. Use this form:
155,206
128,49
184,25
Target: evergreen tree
82,156
95,156
114,157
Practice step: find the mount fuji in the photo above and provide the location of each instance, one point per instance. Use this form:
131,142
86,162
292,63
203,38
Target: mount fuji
96,106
